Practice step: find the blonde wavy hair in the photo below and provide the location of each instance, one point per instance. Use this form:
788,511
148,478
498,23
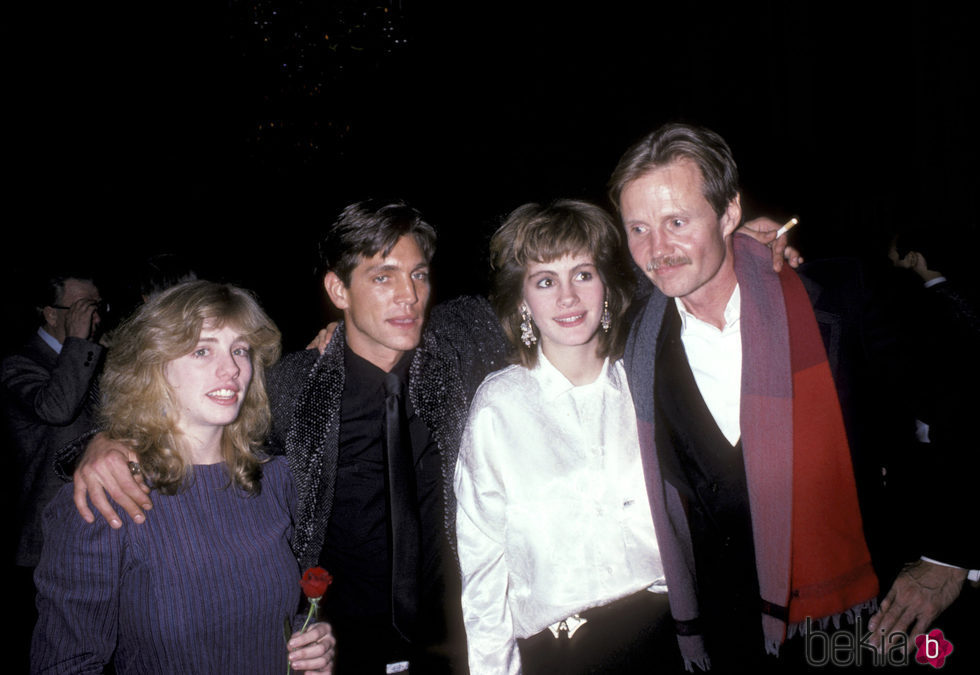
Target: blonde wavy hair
138,405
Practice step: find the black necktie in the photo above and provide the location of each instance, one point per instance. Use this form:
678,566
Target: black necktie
403,505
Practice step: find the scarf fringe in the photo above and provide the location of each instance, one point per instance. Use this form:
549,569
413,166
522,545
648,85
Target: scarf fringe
693,653
851,615
704,663
799,628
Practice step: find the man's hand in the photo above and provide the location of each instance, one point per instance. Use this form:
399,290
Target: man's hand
922,591
312,651
322,338
764,230
82,318
916,262
104,468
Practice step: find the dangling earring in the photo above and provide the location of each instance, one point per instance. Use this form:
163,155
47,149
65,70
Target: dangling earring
527,332
606,319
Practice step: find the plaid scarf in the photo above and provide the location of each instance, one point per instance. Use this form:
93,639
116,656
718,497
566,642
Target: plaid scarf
811,557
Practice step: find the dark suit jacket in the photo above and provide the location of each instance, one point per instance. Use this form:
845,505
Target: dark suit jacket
899,355
462,343
49,400
867,350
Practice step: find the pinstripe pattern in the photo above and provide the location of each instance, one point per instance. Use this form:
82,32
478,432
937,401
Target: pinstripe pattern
201,587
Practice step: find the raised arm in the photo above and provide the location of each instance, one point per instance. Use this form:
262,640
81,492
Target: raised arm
765,230
322,338
53,396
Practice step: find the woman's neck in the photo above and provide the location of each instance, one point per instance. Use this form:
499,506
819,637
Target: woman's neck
202,448
579,363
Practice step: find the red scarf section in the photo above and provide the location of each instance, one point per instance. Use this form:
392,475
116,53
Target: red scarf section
831,566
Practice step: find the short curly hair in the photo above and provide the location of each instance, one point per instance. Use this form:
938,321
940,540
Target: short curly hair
136,396
535,233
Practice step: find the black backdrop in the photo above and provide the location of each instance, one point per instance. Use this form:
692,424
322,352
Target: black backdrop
232,133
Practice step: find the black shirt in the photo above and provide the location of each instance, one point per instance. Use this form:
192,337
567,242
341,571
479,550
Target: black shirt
356,549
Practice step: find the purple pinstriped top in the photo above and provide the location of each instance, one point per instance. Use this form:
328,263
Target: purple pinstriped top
202,586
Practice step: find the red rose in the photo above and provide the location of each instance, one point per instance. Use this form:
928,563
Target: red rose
315,581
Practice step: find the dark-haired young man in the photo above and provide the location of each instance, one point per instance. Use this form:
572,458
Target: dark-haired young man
376,524
329,418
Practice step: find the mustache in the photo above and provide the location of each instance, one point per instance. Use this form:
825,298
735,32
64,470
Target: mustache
667,261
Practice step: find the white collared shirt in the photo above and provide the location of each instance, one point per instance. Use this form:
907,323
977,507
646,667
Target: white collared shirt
49,340
715,357
553,516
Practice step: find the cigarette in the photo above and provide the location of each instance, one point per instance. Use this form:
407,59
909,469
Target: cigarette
790,224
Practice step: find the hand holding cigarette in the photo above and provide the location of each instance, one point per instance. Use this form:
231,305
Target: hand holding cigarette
790,224
766,231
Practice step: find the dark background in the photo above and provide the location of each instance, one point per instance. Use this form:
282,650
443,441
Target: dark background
233,132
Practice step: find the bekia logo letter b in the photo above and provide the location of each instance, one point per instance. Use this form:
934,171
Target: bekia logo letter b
932,648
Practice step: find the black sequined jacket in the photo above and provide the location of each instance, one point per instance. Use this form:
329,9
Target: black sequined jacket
461,343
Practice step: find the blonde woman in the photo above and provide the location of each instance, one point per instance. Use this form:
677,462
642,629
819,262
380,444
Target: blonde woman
206,583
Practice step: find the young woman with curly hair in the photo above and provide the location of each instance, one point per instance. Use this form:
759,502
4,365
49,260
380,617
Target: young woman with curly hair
560,564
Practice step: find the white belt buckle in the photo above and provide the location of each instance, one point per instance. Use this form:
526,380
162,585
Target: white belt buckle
571,624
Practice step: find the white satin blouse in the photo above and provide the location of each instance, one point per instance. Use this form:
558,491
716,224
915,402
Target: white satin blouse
552,514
